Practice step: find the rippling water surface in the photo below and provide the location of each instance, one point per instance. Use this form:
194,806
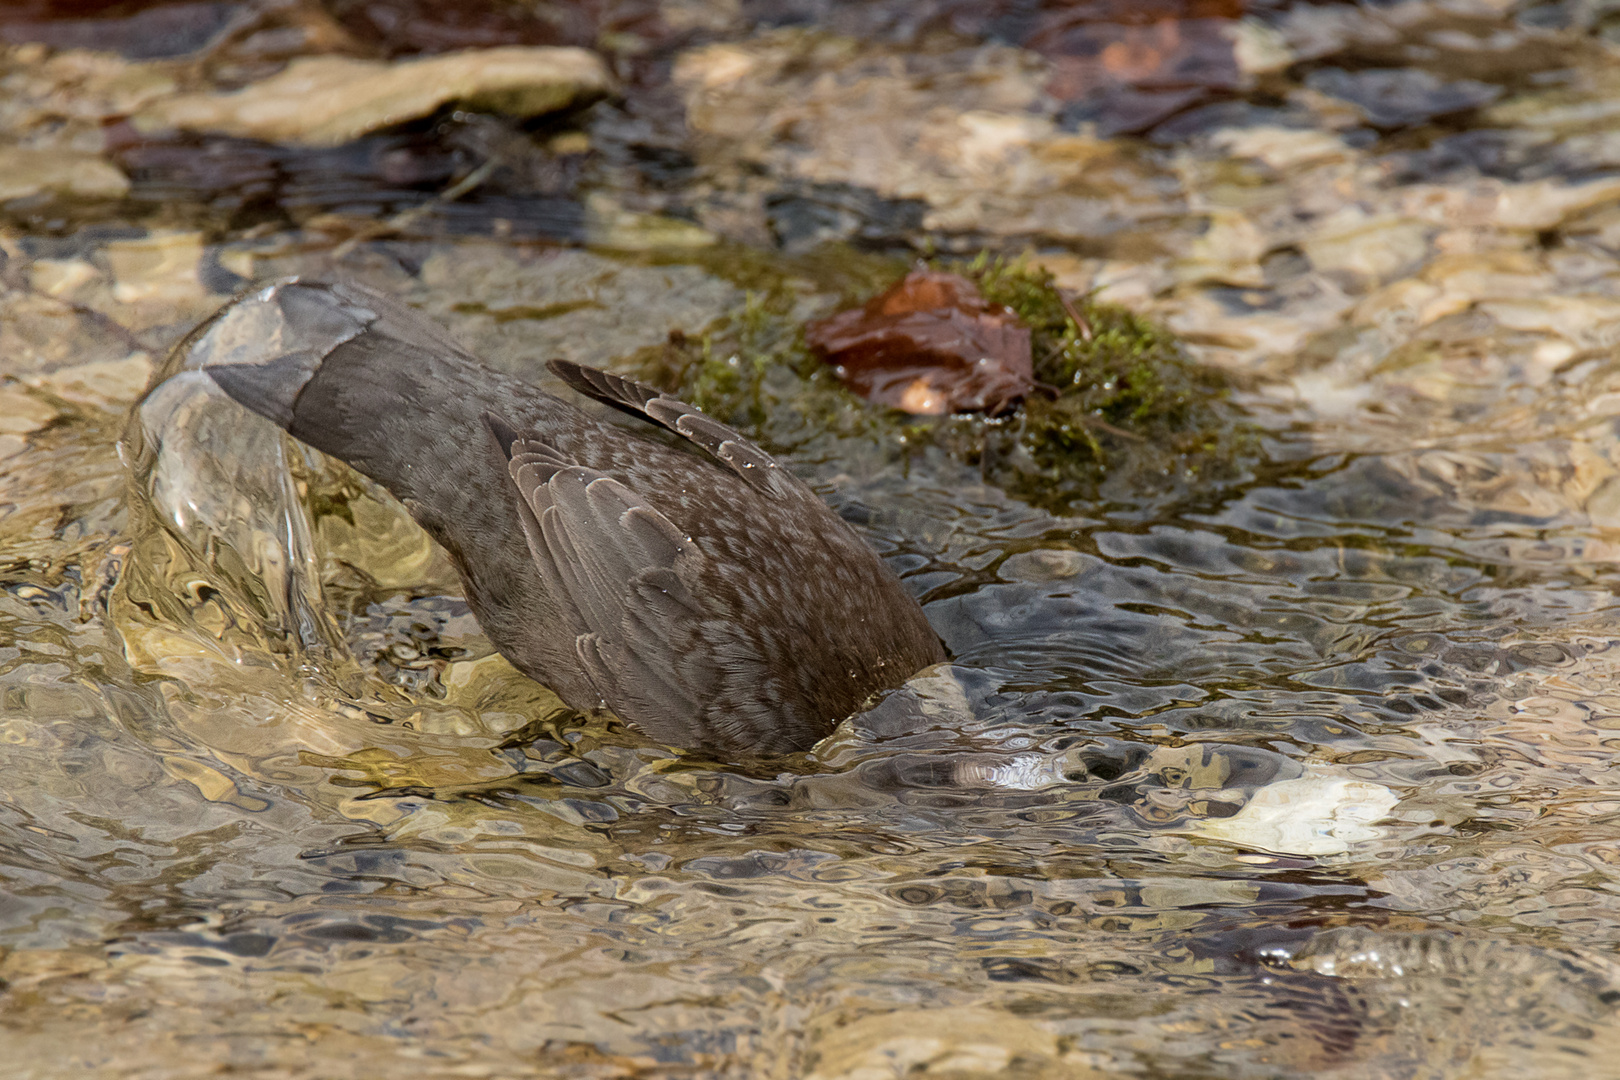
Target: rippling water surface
1301,771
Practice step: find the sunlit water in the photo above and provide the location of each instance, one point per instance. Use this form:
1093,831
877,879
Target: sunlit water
1302,773
242,804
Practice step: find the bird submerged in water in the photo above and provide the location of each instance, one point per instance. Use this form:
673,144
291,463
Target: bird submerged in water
692,585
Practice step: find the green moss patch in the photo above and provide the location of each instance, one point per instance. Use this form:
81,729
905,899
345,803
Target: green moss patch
1121,410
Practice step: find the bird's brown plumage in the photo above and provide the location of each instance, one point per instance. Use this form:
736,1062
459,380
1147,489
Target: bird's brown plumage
694,586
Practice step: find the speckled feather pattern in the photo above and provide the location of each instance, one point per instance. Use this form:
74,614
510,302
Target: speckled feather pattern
699,589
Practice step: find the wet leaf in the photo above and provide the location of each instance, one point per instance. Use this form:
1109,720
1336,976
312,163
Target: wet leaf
930,345
1129,66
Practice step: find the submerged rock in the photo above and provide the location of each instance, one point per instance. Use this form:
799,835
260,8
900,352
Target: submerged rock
1319,813
25,173
1401,96
964,135
329,100
520,308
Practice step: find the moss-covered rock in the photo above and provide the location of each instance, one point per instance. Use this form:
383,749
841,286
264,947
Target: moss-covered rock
1120,398
1119,407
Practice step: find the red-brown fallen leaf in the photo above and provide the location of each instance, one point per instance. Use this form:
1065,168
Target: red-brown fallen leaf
1126,65
930,345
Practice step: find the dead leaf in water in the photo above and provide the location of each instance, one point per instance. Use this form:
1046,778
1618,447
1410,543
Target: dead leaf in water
1128,66
930,345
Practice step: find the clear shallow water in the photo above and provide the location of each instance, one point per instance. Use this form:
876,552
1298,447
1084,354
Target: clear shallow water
221,835
1302,773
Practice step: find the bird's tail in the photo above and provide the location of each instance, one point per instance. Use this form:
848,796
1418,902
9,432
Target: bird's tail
349,371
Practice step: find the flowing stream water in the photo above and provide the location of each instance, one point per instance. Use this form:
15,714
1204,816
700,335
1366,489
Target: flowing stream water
1303,769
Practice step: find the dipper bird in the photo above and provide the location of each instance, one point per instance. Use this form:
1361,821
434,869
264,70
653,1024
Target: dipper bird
689,583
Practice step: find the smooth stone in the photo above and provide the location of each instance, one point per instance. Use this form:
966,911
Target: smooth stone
331,100
76,174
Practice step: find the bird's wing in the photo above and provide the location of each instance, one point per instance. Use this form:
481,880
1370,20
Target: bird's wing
627,579
729,447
